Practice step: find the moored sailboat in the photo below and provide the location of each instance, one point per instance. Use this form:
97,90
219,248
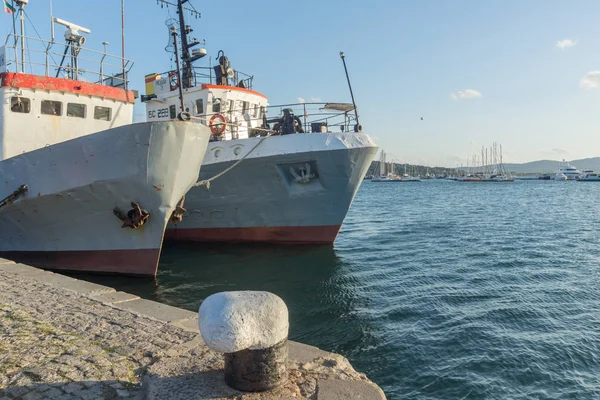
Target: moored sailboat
386,170
491,167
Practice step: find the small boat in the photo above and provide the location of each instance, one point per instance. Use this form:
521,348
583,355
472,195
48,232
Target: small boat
589,176
386,169
386,178
565,170
408,178
499,178
476,177
491,167
560,176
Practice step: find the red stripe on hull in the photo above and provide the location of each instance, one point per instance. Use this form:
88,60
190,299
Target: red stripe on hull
27,81
271,234
142,262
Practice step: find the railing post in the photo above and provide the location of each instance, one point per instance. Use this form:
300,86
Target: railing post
46,61
16,53
102,63
22,17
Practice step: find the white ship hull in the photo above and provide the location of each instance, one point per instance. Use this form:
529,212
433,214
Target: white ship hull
259,200
66,220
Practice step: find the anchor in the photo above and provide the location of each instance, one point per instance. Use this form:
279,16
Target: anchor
304,177
135,217
11,198
177,215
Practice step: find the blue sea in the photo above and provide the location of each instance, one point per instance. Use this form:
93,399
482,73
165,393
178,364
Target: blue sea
436,290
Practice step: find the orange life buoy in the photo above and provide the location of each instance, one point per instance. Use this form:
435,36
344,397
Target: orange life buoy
219,127
173,80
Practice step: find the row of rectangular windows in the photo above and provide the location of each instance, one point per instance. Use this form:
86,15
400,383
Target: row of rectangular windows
216,107
50,107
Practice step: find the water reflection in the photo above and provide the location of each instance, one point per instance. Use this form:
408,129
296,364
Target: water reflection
312,280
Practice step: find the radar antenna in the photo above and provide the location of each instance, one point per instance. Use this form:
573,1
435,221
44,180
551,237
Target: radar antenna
74,41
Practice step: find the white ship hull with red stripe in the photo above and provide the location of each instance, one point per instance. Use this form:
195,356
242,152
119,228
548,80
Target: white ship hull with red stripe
66,221
260,201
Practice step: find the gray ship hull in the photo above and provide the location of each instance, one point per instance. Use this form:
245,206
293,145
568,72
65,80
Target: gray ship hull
265,198
66,219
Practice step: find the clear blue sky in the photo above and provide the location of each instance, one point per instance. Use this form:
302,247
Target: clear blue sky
513,84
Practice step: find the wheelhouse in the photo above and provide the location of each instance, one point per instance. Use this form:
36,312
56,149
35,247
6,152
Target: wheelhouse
224,99
45,102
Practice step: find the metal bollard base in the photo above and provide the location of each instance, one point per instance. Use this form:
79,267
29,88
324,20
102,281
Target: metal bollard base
257,370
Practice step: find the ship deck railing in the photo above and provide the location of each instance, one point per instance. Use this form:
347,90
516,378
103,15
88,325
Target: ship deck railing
207,75
313,117
318,116
50,58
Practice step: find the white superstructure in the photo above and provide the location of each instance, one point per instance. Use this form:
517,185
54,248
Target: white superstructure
589,176
566,172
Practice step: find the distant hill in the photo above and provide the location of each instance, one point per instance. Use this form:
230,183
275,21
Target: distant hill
529,168
549,166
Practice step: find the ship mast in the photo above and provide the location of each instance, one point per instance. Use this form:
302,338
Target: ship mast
187,58
21,4
186,67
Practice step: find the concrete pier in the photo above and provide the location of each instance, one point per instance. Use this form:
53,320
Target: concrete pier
64,338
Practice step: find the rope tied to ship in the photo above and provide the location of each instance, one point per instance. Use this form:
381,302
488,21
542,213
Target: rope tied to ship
134,218
206,182
21,191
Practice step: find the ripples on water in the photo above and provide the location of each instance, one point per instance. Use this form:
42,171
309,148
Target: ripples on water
436,290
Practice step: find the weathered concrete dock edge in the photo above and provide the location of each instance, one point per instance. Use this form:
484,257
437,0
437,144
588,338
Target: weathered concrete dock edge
63,338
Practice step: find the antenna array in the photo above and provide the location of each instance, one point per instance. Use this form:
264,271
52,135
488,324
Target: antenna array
195,13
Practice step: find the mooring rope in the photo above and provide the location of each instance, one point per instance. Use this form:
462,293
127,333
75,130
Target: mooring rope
206,182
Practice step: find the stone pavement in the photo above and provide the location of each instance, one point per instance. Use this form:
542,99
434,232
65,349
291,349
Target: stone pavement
63,338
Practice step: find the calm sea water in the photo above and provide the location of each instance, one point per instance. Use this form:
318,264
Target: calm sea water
436,290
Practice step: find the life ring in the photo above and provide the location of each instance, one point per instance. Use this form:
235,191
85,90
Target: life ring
173,80
219,127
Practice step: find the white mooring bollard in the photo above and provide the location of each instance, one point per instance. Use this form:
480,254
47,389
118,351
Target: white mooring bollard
251,329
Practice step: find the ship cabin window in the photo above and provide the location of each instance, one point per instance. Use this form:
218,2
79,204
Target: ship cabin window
255,110
199,106
76,110
216,107
172,111
262,111
245,105
102,113
20,104
50,107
